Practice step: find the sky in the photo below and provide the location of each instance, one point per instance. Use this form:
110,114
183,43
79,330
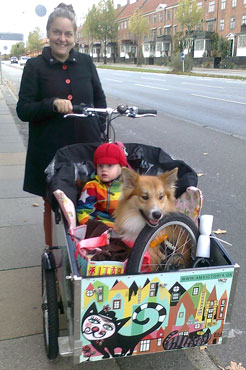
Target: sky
20,16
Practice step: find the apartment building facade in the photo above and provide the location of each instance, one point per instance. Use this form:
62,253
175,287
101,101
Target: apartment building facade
225,17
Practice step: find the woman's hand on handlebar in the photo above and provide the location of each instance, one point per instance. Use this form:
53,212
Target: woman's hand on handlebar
63,106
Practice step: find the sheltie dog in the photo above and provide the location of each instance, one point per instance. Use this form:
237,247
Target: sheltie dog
144,200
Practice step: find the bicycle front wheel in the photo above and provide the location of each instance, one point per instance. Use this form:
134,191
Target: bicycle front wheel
169,246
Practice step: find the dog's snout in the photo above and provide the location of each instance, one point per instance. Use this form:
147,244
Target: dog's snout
156,215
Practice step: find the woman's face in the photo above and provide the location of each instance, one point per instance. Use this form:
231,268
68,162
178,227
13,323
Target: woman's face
62,37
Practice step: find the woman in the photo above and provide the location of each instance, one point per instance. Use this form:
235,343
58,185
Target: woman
51,84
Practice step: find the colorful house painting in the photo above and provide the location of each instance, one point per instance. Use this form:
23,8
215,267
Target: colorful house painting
186,311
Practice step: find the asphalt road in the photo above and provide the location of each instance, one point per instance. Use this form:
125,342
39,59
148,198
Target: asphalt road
207,133
213,102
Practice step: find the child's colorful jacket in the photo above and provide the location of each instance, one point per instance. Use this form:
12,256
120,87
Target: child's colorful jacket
98,201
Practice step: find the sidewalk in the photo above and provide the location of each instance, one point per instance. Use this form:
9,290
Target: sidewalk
22,242
206,71
21,235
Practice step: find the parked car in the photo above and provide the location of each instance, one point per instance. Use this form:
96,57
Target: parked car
14,60
23,60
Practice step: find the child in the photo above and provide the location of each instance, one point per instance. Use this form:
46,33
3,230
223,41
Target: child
99,196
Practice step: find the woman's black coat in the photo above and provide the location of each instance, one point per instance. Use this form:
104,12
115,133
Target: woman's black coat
44,79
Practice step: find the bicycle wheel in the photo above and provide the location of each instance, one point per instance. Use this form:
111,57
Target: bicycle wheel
176,234
50,313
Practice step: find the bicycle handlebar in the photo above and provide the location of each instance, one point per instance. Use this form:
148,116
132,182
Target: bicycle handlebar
134,112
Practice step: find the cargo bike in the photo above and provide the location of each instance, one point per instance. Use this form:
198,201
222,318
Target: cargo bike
115,308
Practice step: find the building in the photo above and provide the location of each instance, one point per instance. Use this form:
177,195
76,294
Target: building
227,18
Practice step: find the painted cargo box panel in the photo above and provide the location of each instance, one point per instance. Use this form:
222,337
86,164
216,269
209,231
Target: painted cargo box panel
140,314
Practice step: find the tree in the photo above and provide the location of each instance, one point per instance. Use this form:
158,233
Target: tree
101,23
90,25
34,40
138,25
220,46
188,15
18,49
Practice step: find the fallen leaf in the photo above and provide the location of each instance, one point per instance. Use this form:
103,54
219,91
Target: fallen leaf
35,205
219,231
235,366
200,174
202,348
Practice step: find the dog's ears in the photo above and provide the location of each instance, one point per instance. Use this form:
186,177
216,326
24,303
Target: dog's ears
170,177
128,178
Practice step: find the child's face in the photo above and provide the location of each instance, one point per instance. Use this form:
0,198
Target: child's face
108,172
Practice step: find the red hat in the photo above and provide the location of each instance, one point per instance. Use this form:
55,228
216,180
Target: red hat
109,153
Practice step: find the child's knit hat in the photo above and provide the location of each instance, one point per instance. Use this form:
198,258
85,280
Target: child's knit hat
109,153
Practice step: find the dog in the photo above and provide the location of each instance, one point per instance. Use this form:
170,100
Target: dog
144,200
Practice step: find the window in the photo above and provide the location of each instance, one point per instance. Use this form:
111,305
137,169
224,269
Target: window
125,24
149,19
222,24
168,15
160,31
181,314
116,304
199,45
154,18
159,342
199,5
232,23
145,345
223,4
196,289
158,46
244,19
160,17
234,3
211,6
211,26
90,293
242,41
167,31
175,29
176,288
100,294
175,297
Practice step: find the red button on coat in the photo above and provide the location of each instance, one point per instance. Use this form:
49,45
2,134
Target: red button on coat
64,67
68,81
70,97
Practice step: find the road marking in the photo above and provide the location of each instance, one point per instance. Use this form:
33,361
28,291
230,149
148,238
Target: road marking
210,97
213,87
110,79
150,78
152,87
